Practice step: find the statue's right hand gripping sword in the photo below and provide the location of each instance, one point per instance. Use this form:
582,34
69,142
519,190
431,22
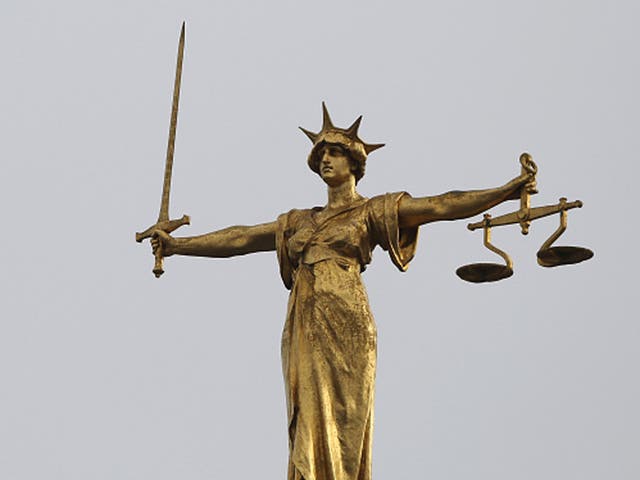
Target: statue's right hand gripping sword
163,222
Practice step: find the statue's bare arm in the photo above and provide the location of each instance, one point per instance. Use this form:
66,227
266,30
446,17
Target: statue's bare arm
242,240
228,242
455,205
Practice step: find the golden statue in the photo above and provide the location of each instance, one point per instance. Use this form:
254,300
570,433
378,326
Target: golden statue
329,338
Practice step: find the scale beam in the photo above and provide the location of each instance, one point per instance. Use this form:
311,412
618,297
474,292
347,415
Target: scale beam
527,215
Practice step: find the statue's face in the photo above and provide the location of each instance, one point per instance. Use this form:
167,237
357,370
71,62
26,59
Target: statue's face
335,165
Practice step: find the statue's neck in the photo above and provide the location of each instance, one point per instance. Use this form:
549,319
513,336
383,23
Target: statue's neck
341,196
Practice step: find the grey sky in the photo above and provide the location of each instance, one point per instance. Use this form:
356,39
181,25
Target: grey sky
108,373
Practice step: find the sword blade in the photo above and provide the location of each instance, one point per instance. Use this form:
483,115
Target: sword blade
166,187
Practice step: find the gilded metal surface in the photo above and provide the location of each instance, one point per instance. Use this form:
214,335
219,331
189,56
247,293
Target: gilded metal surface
527,167
533,214
484,272
163,222
487,272
329,338
549,256
563,255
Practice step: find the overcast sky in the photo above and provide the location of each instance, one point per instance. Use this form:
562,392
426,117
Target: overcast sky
109,374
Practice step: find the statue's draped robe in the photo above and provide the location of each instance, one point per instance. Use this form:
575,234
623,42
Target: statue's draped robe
329,338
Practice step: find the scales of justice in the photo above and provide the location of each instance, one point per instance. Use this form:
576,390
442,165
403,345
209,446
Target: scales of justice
329,337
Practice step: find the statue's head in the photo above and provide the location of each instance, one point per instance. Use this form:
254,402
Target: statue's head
347,139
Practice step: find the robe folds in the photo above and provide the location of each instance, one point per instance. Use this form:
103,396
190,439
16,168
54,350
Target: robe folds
329,337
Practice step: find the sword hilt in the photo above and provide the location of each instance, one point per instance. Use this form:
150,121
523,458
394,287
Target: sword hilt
166,226
157,267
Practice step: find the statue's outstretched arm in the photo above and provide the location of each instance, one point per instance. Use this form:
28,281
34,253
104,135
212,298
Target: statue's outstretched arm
229,242
456,205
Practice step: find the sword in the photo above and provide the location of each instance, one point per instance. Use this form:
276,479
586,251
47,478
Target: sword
163,222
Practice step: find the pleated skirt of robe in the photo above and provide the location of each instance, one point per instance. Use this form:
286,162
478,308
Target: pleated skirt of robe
329,363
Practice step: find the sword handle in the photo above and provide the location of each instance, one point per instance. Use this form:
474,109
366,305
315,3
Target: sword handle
157,267
166,226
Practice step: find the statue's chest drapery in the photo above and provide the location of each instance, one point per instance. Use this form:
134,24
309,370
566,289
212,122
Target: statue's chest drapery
348,236
343,235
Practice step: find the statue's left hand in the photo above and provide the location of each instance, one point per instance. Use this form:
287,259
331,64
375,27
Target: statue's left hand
526,182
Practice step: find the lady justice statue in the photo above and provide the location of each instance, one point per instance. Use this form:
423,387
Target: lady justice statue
329,337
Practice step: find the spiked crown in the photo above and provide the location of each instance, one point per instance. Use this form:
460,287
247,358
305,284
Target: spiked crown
346,138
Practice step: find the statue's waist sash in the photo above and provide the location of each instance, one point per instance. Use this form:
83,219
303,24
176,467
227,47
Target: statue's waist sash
319,253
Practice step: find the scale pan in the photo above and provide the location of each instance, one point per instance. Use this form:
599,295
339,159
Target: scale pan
554,256
484,272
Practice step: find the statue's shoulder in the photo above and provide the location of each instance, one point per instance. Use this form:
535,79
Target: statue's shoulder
296,215
387,196
379,202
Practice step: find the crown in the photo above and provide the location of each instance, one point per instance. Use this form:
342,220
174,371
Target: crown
347,138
